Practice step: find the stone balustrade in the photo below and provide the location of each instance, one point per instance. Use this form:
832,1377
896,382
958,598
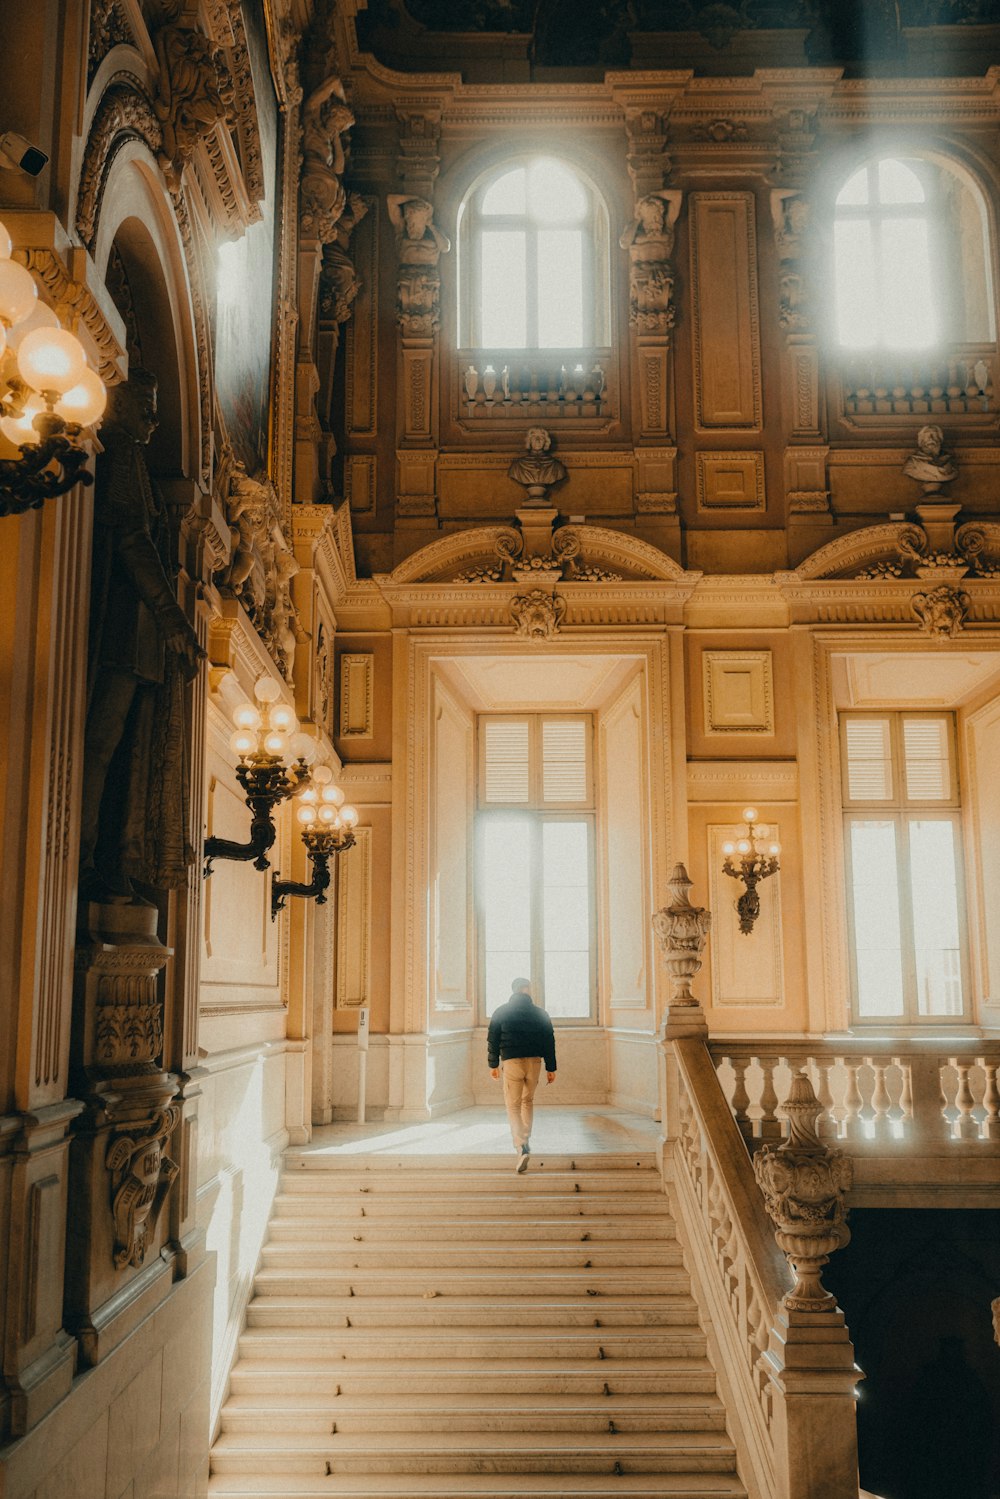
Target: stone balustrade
956,384
549,384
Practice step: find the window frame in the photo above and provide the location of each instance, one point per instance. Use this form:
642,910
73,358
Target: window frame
538,812
902,810
594,229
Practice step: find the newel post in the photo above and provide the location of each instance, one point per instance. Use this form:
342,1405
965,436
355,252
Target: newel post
810,1358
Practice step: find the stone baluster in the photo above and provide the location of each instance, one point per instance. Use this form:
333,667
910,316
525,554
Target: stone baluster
740,1100
853,1104
905,1095
828,1128
991,1099
931,1125
881,1099
966,1125
769,1125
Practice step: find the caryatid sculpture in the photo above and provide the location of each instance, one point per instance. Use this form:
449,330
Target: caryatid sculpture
649,240
419,247
326,117
142,651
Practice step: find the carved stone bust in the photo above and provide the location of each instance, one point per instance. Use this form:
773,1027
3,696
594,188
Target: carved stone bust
536,469
929,465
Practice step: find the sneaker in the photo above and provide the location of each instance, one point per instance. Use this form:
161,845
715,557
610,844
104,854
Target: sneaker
522,1160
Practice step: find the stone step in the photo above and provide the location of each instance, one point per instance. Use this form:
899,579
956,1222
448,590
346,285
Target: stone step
482,1254
601,1344
478,1486
454,1452
535,1181
290,1279
298,1158
496,1379
321,1415
472,1311
300,1225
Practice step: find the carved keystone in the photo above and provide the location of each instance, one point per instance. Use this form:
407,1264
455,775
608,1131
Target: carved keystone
805,1185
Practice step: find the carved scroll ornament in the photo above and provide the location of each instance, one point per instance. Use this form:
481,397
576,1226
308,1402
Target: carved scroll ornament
142,1174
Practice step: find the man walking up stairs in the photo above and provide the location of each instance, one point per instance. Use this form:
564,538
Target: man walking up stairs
425,1328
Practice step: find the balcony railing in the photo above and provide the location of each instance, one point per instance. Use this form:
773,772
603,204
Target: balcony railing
953,385
535,385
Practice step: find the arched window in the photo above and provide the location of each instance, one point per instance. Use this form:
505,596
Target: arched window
911,261
533,260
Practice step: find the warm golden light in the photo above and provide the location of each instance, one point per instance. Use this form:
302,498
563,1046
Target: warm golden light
349,817
266,690
749,814
743,846
309,795
306,815
246,716
243,742
329,815
322,775
50,359
303,747
84,402
729,849
18,293
19,429
275,745
41,316
282,718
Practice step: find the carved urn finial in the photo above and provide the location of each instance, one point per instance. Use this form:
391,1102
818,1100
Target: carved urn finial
805,1185
682,931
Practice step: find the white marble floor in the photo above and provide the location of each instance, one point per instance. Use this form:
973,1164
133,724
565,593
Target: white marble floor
596,1130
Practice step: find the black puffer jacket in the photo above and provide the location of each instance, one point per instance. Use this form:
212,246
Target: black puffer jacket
520,1029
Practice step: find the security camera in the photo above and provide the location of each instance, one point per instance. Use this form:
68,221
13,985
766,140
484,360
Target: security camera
19,155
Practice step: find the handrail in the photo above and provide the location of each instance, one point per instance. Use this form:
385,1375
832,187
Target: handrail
740,1272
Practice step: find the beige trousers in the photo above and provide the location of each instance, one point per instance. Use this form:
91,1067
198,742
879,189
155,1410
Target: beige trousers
520,1079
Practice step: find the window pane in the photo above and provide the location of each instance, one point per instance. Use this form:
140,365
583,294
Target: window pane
908,294
898,183
506,905
854,277
505,758
504,311
934,880
564,760
875,904
560,288
855,190
507,194
869,760
555,195
928,767
566,918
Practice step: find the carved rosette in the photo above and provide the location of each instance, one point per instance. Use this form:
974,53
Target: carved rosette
942,611
538,614
805,1185
682,931
141,1175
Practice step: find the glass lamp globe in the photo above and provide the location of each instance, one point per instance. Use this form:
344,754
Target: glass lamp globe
50,359
41,316
774,849
282,718
20,429
276,745
306,815
309,796
328,815
349,817
303,747
332,795
84,402
743,846
18,293
322,775
749,814
266,690
246,716
6,243
243,742
729,849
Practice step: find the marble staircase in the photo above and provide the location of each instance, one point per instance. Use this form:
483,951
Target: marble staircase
440,1327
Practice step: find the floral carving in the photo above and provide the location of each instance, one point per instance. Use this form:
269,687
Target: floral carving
128,1033
123,114
805,1186
941,611
142,1174
537,615
108,28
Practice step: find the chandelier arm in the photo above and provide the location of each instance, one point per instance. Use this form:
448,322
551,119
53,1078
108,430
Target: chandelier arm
315,889
265,786
27,482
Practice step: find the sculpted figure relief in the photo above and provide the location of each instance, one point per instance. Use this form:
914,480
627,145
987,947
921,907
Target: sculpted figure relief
537,469
931,467
649,240
142,650
326,117
419,246
339,281
261,566
194,92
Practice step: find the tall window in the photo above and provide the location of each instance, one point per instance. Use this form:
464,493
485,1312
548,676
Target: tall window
534,860
533,260
911,257
904,864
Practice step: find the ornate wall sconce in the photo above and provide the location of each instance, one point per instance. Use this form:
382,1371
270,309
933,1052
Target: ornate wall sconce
274,759
48,396
754,865
327,830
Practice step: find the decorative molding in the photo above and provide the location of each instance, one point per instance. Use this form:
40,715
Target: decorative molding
125,113
357,696
942,611
361,351
724,308
354,925
538,614
742,781
730,481
360,479
738,693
